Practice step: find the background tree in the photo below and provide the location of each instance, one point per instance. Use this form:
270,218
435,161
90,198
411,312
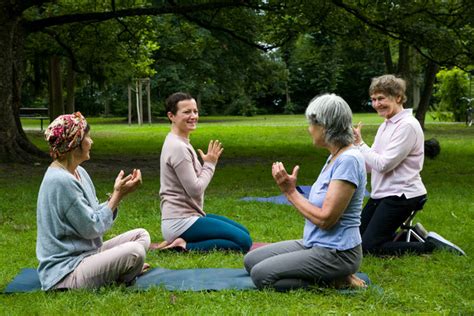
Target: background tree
440,31
451,92
20,18
415,38
237,57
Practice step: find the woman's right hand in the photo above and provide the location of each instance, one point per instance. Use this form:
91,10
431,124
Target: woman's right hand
358,134
125,185
214,151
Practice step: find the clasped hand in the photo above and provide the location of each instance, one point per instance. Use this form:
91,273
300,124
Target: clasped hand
214,150
286,182
125,185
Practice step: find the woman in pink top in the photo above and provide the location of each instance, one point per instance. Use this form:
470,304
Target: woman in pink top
395,161
183,180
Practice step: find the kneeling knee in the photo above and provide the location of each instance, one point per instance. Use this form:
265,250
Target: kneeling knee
260,277
249,262
246,243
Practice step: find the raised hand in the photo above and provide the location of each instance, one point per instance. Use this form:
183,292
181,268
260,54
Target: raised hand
125,185
214,151
286,182
358,134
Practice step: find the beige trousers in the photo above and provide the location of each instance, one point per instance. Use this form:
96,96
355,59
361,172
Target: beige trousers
120,260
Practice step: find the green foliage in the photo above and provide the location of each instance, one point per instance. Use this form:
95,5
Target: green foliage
224,75
312,47
324,50
451,90
442,116
105,56
406,285
442,30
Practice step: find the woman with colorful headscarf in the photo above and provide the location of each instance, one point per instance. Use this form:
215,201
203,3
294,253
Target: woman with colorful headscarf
71,222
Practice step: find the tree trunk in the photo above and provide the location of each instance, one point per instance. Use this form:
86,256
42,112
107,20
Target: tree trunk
404,70
423,106
14,145
387,55
403,59
56,103
37,83
70,85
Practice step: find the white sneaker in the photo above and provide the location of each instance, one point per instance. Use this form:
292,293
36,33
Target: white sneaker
441,243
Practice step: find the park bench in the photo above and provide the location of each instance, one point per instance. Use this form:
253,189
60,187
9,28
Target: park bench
35,114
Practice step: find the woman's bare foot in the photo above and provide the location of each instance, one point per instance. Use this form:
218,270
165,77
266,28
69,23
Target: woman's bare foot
156,246
350,281
178,244
145,268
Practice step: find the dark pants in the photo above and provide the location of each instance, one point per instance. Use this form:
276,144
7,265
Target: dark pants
380,220
217,232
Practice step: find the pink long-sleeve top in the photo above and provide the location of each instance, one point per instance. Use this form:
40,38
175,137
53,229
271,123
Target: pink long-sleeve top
183,179
396,157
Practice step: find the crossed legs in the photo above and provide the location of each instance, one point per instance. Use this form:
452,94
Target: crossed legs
120,259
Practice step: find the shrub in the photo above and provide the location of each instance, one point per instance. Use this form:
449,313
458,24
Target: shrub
450,93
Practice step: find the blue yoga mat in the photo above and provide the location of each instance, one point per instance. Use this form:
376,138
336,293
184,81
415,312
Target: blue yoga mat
172,280
281,199
196,279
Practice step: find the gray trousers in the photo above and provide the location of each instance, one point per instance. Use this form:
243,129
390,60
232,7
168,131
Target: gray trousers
290,265
120,259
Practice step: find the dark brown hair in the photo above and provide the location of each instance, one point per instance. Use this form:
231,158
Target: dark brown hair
173,100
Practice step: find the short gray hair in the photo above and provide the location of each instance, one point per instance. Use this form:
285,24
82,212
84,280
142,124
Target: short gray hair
334,115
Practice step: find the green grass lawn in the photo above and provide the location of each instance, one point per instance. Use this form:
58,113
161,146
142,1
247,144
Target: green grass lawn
441,283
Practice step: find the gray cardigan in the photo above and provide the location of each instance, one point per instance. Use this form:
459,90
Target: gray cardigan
70,223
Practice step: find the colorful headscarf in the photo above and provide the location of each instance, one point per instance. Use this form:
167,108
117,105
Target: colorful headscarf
65,133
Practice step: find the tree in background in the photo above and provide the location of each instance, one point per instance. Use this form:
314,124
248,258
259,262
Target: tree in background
237,57
441,32
450,94
18,19
112,56
226,75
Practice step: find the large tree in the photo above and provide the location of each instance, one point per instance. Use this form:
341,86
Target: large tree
19,18
441,32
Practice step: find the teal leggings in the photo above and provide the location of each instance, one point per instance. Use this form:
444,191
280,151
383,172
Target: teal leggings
217,232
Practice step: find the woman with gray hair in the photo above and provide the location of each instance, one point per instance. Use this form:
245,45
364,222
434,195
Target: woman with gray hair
330,251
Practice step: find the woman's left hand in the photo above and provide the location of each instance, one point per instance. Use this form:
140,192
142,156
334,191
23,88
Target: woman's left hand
214,151
286,182
125,185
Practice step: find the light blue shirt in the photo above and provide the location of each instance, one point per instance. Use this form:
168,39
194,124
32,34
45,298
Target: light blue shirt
70,223
348,166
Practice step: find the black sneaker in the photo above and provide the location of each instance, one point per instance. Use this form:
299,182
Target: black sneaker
421,231
441,243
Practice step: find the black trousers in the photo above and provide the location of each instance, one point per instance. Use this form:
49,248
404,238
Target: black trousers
379,221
